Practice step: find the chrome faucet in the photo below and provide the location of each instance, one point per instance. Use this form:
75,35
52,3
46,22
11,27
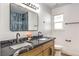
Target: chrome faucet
17,37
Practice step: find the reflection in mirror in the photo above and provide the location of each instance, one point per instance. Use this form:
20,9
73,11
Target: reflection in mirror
21,19
32,22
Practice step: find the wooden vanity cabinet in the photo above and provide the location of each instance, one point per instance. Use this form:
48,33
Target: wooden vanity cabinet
46,52
40,54
46,49
33,52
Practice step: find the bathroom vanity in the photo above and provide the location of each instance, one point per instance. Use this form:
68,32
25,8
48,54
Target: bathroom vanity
44,48
40,47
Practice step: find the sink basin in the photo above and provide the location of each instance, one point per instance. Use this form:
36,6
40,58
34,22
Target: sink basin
43,39
17,46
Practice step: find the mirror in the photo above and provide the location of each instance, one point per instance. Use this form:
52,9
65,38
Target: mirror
21,19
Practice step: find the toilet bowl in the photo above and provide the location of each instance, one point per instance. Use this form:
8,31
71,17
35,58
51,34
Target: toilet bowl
58,49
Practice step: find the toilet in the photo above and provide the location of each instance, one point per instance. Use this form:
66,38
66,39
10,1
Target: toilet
58,50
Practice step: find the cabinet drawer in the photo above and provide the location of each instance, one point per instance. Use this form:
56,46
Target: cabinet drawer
47,45
33,52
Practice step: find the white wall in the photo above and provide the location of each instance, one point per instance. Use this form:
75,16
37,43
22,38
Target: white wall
45,15
5,32
70,32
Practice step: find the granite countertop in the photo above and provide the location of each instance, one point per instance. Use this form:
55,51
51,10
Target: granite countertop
37,42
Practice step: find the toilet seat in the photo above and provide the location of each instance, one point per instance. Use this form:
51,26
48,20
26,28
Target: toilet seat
58,47
58,50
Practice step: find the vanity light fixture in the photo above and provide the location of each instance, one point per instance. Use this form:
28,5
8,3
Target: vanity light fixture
34,6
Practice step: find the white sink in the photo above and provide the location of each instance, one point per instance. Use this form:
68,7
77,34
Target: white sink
17,46
43,39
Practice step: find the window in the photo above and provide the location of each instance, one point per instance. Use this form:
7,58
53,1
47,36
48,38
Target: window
58,22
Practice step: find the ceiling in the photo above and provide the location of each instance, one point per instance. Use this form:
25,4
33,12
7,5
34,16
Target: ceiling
54,5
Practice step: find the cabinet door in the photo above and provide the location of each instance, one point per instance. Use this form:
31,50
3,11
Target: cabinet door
48,48
33,52
47,45
40,54
46,52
